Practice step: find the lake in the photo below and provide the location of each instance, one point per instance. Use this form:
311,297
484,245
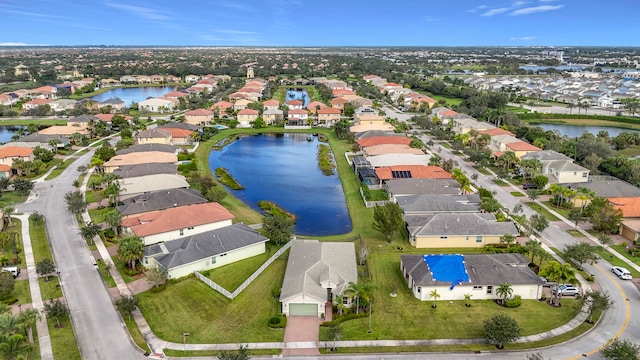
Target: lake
134,94
282,168
6,132
573,131
577,68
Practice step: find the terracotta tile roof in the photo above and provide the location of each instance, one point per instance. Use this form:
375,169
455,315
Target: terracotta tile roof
141,158
370,77
294,102
221,105
392,84
448,113
15,151
176,94
272,102
522,146
248,111
391,149
179,133
630,206
328,110
312,105
340,92
198,112
379,140
38,102
4,168
177,218
496,131
339,100
416,171
298,112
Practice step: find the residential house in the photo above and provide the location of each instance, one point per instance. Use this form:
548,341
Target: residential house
199,117
9,154
338,103
172,79
131,187
456,230
5,173
60,105
192,79
180,136
148,147
384,127
370,119
453,276
156,105
521,148
294,104
342,92
417,103
272,104
317,274
379,140
153,136
558,167
392,159
42,140
82,120
177,222
175,95
64,130
403,187
428,204
32,104
135,158
143,79
129,171
221,107
383,149
271,116
247,116
630,207
389,87
241,104
328,116
496,132
365,110
156,79
205,251
374,133
160,200
116,104
297,117
462,124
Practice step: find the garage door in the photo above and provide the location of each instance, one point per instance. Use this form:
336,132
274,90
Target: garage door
303,309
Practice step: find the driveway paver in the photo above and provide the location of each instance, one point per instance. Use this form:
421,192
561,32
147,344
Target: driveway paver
304,331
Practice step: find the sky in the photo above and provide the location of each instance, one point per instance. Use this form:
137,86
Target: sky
320,22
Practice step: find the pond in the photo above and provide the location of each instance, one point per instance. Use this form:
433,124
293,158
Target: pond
283,168
573,131
7,132
134,94
299,94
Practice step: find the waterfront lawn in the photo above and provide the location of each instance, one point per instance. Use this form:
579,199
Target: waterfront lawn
405,317
210,317
232,275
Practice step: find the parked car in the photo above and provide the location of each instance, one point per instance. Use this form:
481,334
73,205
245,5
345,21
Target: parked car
566,290
14,270
545,282
529,186
621,272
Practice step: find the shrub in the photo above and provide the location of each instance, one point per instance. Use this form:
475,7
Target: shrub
515,302
109,234
10,300
343,318
277,322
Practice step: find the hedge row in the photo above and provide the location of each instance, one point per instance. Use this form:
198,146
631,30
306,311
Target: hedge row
341,319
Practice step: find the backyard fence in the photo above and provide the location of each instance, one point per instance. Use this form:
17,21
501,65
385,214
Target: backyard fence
236,292
371,204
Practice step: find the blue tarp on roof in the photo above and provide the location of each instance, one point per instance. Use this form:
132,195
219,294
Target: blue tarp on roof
447,268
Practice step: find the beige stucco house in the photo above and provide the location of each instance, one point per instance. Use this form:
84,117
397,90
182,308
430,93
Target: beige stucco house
156,105
205,251
453,276
271,116
247,116
199,117
328,116
153,136
317,274
136,158
9,154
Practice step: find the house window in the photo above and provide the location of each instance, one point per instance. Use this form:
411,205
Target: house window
190,228
489,290
584,174
467,238
181,232
477,287
345,300
575,173
443,238
478,239
419,289
213,260
225,254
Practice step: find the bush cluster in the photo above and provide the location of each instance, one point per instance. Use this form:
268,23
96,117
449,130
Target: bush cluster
278,322
515,302
343,318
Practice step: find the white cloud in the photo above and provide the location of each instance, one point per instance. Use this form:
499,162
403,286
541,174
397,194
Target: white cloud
536,9
495,11
524,38
20,44
140,11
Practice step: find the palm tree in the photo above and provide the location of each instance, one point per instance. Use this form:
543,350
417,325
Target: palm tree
556,190
435,160
507,160
531,246
558,274
584,195
13,346
483,140
467,298
570,106
359,291
6,212
9,324
131,249
89,231
504,291
435,296
28,319
113,218
53,143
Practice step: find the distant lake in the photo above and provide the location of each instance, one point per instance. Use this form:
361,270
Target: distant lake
6,132
573,131
135,94
282,168
571,68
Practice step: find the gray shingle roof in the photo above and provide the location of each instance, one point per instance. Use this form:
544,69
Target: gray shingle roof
609,188
546,155
160,200
148,147
312,262
483,269
422,186
179,252
127,171
374,133
175,125
113,101
435,203
461,224
83,118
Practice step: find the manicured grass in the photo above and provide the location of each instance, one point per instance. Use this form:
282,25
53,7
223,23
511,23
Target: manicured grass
136,335
21,292
613,260
93,196
232,275
542,211
482,170
106,276
16,228
48,289
499,182
450,101
210,317
39,242
57,171
8,198
377,195
516,193
63,341
199,353
97,215
574,233
120,265
562,211
620,249
27,122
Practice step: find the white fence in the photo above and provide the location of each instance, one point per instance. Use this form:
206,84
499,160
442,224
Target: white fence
236,292
371,204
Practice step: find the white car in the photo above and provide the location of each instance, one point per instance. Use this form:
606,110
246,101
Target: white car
566,290
621,272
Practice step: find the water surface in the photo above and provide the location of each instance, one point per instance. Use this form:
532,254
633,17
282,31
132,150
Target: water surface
573,131
135,94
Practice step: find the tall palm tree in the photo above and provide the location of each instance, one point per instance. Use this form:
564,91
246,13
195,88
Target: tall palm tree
9,324
130,250
13,347
556,191
584,195
507,160
435,296
559,274
113,218
570,106
504,291
359,291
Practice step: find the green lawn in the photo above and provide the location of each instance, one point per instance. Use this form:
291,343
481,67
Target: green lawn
106,276
542,211
516,193
613,260
48,289
120,265
190,305
450,101
136,335
93,196
9,252
8,198
574,233
57,171
63,341
450,320
39,243
620,249
97,215
22,292
562,211
232,275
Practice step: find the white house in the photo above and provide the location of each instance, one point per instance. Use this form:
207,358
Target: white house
205,251
454,275
317,273
156,105
558,167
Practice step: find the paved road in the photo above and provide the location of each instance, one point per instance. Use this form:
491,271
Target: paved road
99,331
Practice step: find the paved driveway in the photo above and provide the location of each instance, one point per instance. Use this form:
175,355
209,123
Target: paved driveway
301,335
